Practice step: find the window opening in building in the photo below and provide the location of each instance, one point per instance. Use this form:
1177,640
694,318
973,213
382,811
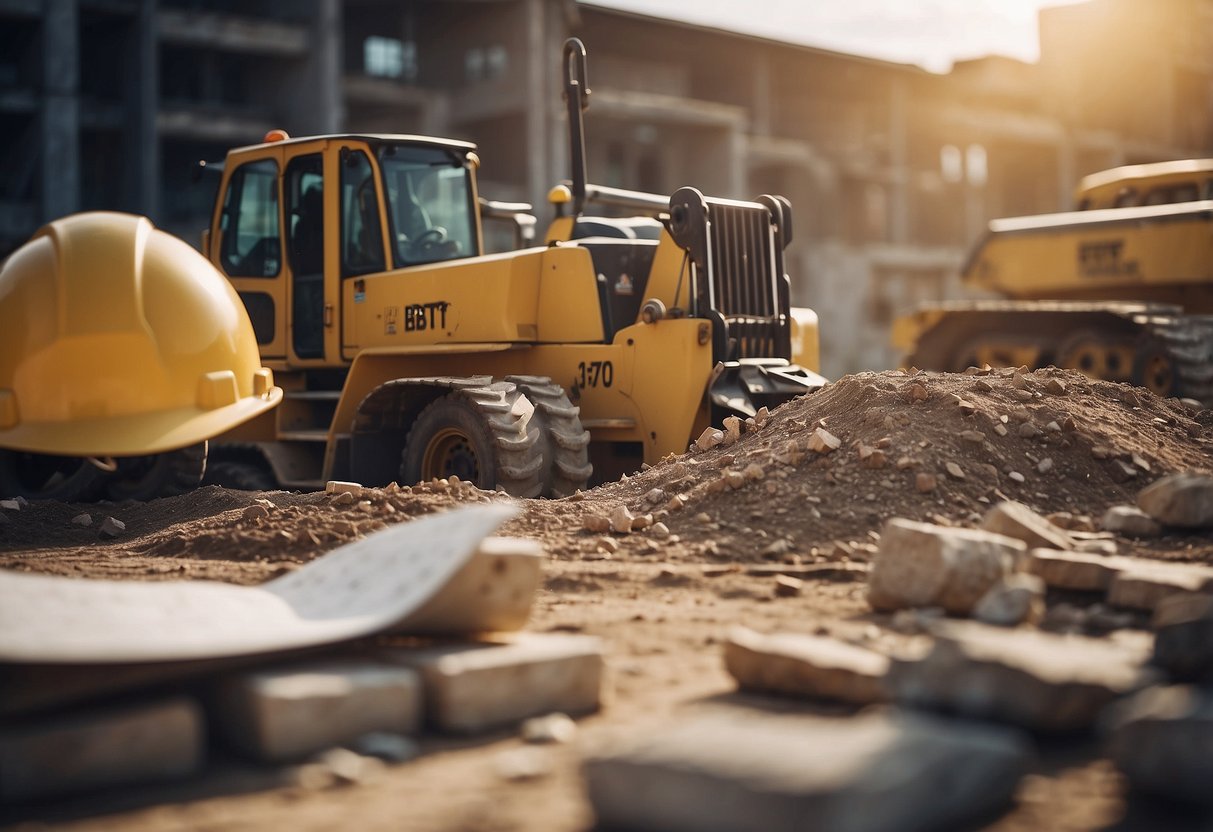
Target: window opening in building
950,165
976,165
389,58
473,65
496,61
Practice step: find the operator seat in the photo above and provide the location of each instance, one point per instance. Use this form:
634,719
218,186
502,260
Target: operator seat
307,237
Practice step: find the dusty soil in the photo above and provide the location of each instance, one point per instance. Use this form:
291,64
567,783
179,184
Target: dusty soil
664,603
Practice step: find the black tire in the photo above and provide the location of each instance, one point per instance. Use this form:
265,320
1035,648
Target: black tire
564,443
483,435
158,475
49,477
1156,369
240,475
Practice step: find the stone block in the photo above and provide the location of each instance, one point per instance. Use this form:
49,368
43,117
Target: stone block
1146,583
736,769
474,687
1183,637
285,713
921,565
1162,739
1131,521
1012,601
709,439
823,442
492,592
1074,570
805,666
1040,681
127,746
1020,522
1179,500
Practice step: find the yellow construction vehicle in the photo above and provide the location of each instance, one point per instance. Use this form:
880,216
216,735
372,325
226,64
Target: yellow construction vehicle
1121,289
406,353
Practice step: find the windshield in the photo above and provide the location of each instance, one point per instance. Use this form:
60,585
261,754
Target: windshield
429,195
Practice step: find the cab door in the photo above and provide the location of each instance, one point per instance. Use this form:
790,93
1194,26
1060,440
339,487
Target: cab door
363,246
305,203
246,245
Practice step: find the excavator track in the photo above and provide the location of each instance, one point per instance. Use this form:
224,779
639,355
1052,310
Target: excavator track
1182,345
1152,346
564,441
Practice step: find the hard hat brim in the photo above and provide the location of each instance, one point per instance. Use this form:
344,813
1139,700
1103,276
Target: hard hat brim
136,435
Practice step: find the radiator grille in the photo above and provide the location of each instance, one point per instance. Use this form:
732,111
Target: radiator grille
745,279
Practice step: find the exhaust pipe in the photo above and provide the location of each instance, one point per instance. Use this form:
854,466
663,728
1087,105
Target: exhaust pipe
577,99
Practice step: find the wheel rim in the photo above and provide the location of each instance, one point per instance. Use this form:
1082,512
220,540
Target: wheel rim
449,452
1098,358
1158,376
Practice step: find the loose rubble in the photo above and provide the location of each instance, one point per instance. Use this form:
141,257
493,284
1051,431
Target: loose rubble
857,529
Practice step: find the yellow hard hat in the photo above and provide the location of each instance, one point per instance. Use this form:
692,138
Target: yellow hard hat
119,339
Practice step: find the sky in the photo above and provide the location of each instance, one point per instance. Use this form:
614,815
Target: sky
929,33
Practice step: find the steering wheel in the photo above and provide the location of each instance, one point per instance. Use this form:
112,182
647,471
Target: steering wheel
427,242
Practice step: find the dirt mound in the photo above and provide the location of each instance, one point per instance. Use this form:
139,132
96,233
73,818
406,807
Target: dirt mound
936,447
215,533
933,447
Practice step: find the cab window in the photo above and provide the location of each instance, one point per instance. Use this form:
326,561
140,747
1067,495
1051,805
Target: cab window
1125,198
1169,194
429,196
249,223
361,237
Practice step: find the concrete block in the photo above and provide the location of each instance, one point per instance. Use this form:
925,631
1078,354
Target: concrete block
1163,741
1074,570
474,687
1183,637
1147,583
1179,500
737,769
284,713
104,748
1131,521
921,565
805,666
1020,522
1012,601
1040,681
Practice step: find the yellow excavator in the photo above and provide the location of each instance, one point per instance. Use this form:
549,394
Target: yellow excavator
404,352
1121,289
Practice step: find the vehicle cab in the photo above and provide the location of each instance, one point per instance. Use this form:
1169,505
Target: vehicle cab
297,218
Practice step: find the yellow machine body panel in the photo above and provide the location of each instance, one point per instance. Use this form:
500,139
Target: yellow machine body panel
533,296
1156,183
1162,254
622,397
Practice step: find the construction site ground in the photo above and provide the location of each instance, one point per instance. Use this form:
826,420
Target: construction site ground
932,447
